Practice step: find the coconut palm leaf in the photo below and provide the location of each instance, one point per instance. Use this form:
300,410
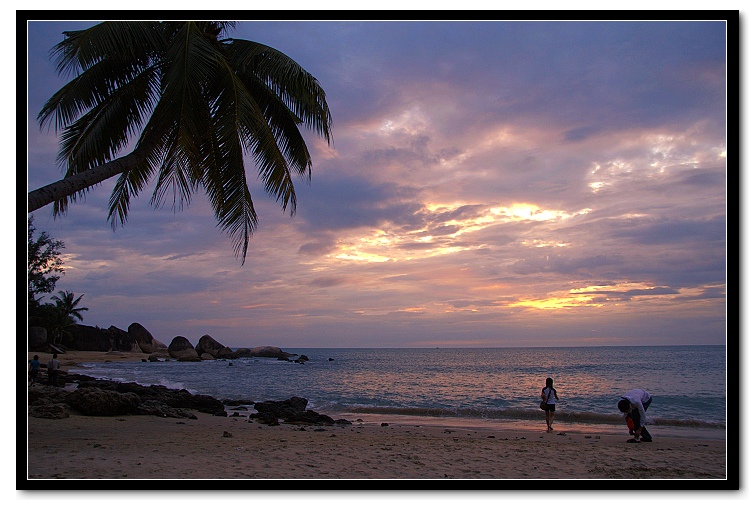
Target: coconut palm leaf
200,105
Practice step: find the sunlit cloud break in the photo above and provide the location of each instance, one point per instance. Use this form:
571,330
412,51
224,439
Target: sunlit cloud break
393,244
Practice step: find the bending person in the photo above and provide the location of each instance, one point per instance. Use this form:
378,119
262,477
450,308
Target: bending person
634,404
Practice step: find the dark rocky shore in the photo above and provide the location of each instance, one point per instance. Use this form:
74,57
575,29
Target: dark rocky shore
97,397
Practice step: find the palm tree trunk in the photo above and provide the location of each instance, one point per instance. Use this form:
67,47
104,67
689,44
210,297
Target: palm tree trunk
81,181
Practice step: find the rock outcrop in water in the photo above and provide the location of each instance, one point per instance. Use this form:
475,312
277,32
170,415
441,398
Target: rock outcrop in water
181,349
208,345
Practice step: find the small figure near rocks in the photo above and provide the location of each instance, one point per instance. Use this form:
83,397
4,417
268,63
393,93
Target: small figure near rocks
52,370
34,365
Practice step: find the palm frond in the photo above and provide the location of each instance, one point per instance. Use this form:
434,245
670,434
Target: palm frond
129,184
106,129
133,41
285,127
297,88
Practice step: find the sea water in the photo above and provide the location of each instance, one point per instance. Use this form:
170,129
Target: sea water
476,385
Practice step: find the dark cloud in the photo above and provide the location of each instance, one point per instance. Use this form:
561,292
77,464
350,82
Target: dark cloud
664,231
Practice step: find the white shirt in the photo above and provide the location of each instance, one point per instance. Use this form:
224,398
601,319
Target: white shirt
636,398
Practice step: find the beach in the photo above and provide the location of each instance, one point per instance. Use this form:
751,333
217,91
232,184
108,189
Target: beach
212,447
141,447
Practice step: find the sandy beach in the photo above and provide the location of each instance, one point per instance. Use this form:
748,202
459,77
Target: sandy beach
372,448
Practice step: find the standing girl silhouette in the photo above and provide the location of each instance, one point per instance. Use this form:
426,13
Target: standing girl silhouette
549,396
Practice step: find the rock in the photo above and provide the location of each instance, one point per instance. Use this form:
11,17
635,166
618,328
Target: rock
265,419
37,339
180,347
98,402
292,410
238,403
267,351
123,341
311,417
282,409
224,353
89,338
209,345
170,397
46,394
144,339
49,411
155,408
241,353
207,356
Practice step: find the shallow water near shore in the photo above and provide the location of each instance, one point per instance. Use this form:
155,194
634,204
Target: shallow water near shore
464,387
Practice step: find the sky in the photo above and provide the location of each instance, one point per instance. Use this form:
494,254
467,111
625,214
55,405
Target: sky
489,184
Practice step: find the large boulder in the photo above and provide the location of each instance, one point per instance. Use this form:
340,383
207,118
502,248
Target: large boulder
181,348
208,345
123,341
267,351
292,410
243,352
92,338
282,408
37,339
144,338
88,338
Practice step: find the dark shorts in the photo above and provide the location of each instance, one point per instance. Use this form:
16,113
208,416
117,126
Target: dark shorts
550,407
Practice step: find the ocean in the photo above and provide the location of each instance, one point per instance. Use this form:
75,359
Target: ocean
468,386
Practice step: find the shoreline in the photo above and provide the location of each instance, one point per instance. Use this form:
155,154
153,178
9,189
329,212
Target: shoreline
379,447
76,358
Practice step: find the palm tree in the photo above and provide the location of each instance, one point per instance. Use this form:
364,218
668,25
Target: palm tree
62,315
199,102
67,305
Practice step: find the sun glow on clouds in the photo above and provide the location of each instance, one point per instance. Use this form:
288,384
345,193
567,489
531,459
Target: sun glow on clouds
392,244
597,296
